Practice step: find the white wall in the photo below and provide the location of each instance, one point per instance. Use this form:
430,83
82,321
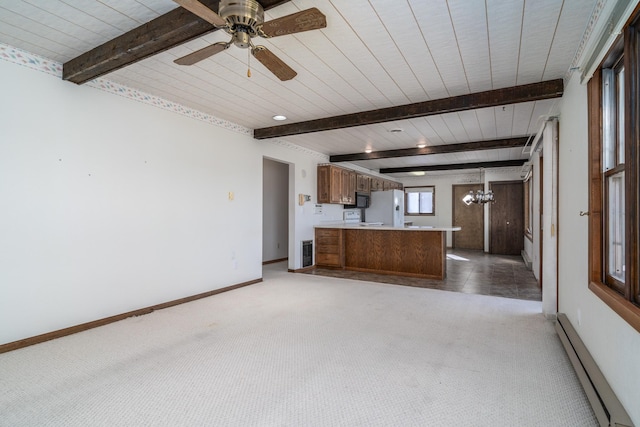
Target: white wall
614,345
109,204
275,210
444,195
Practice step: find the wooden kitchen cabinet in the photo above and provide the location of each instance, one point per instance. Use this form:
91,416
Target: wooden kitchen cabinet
329,247
339,185
324,184
363,183
376,184
336,185
403,252
391,185
349,187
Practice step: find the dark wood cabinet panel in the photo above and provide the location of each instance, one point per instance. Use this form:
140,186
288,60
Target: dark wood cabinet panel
330,184
329,247
348,193
408,253
324,184
376,184
335,195
363,184
339,185
405,253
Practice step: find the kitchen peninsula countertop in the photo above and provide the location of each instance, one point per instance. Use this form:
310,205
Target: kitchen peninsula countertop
372,226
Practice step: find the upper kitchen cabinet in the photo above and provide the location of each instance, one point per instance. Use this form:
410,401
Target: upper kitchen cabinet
391,185
363,183
348,186
336,185
339,185
377,184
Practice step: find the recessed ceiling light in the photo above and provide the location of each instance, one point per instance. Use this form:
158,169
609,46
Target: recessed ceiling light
279,117
395,130
417,173
368,150
422,145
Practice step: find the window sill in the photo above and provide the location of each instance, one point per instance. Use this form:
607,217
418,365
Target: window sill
625,309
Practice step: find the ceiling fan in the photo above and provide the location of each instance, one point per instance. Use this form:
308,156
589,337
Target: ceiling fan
244,20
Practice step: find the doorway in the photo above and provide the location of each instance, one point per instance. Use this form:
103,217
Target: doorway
469,217
275,211
506,218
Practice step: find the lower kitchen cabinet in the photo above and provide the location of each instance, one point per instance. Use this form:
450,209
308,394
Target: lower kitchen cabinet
329,247
401,251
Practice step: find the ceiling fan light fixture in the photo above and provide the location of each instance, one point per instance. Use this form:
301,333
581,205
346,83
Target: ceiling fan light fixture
279,117
244,20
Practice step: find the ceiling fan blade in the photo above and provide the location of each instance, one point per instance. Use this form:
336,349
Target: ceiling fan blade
273,63
201,54
202,11
305,20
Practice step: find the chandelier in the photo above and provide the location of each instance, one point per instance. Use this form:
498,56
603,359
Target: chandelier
478,197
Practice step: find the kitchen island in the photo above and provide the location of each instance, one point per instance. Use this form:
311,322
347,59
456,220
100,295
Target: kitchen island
404,251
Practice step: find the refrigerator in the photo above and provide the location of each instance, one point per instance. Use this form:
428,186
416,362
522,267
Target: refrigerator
386,207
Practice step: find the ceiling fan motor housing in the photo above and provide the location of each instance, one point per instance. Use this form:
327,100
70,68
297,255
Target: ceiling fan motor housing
243,18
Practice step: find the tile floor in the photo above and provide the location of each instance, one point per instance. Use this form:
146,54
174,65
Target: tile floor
468,271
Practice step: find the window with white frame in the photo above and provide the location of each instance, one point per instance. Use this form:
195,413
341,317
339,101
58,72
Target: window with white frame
420,200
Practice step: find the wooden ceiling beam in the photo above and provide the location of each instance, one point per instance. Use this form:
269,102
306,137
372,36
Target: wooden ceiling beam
435,149
165,32
492,98
455,166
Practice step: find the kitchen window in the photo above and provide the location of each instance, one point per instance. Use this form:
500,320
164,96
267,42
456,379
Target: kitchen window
420,200
614,149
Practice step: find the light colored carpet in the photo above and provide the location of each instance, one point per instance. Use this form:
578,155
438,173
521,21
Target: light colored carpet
301,350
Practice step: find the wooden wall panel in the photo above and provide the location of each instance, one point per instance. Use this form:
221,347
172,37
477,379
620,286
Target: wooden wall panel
409,253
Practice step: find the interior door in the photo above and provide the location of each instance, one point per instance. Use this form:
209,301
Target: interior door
470,218
506,223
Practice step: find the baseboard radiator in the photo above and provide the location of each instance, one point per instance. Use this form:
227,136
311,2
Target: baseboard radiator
608,409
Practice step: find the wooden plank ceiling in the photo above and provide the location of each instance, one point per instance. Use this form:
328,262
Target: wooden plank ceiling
382,76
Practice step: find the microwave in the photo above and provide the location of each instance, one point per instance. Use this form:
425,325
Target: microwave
362,201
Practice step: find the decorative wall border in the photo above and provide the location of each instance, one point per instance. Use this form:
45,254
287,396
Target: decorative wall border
29,60
39,63
48,66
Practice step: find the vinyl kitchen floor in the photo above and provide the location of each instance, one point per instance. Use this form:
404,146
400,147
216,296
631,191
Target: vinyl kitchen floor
468,271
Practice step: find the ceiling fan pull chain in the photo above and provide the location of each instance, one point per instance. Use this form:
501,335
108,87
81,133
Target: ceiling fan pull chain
249,63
